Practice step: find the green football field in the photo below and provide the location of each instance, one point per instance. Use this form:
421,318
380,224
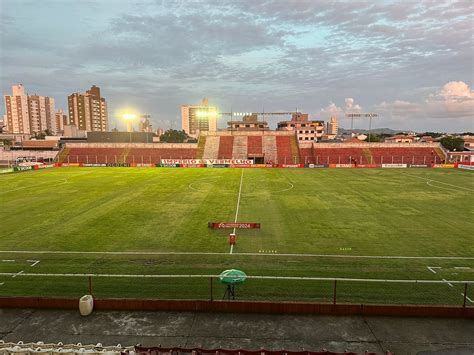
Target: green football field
129,227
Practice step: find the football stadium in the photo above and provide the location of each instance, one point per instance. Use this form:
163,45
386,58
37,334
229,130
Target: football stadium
362,223
235,177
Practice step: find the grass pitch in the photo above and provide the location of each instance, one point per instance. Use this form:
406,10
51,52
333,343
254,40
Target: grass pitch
315,223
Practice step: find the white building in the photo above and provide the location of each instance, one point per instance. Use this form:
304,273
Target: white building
28,114
333,126
197,118
61,120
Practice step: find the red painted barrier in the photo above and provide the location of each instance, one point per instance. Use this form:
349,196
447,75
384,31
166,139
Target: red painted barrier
241,307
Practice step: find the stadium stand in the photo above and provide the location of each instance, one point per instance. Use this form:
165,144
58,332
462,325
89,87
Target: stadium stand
10,157
372,153
199,351
42,348
125,153
239,150
272,147
211,148
339,156
254,145
412,155
201,145
225,147
269,148
20,348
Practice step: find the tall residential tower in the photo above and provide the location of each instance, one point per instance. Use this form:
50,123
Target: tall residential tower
197,118
28,114
88,111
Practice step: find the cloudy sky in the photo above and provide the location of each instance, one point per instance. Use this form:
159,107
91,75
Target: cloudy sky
409,61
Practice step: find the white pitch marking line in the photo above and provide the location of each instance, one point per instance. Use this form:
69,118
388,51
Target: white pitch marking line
462,267
18,273
438,187
450,284
8,261
468,299
158,276
241,254
440,182
431,268
237,208
34,262
2,283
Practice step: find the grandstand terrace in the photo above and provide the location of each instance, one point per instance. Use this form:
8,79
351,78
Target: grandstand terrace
138,153
372,153
276,147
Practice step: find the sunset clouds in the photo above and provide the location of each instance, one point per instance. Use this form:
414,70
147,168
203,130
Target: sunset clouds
410,60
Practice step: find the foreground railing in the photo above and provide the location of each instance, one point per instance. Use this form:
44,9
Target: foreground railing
255,288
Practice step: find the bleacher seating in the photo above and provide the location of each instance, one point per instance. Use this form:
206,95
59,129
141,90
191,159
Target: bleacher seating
126,155
412,155
284,153
142,350
254,145
20,348
306,156
370,155
211,147
225,147
339,156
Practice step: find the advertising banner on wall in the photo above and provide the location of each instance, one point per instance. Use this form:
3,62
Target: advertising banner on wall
443,166
291,165
142,165
341,165
166,165
43,166
367,166
419,166
394,166
315,166
207,161
4,171
464,166
70,164
231,225
22,168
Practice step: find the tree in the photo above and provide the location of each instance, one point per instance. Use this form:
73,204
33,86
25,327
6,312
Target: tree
5,142
453,143
173,136
433,134
373,138
39,135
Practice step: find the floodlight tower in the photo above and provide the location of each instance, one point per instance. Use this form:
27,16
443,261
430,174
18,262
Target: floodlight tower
369,115
129,117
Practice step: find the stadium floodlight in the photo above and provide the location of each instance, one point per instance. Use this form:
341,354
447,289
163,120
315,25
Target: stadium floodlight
201,114
129,117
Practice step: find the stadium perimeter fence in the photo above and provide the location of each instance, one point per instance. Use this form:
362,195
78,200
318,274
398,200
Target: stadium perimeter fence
255,288
340,159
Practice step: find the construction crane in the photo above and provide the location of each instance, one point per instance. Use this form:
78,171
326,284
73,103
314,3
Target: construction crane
256,113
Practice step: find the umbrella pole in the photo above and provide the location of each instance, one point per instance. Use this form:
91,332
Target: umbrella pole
229,292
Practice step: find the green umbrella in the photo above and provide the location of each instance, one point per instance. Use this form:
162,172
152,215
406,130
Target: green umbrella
232,277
